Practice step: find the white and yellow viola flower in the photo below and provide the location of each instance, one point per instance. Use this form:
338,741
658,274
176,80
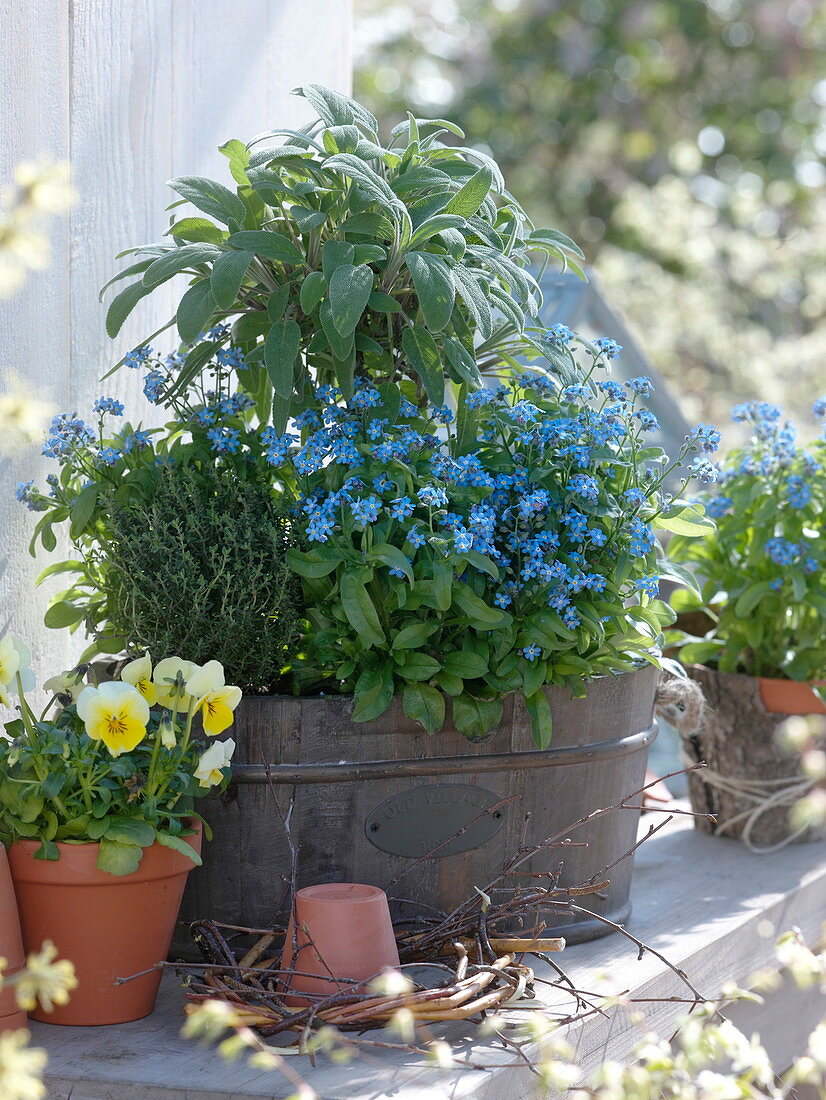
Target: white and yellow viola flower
115,714
15,660
138,673
24,668
214,699
217,756
9,661
65,683
164,679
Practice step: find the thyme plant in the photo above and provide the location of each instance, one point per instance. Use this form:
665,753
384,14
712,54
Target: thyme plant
216,545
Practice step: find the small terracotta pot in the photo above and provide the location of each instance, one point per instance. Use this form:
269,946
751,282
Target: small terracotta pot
790,697
344,932
109,926
11,948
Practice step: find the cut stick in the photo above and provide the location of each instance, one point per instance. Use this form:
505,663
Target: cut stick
257,950
512,944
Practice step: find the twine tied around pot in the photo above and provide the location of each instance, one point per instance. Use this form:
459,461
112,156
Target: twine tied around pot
764,795
681,702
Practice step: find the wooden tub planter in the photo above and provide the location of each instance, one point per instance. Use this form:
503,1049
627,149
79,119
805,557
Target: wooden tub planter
383,803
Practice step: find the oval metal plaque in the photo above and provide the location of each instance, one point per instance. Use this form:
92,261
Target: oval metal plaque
429,819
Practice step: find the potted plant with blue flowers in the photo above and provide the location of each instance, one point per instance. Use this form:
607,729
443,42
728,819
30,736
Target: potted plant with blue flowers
753,634
475,539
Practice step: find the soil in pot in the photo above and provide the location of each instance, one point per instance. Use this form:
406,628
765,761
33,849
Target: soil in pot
108,926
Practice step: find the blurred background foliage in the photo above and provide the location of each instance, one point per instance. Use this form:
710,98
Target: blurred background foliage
680,142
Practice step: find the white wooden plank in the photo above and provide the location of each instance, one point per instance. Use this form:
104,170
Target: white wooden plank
709,905
121,92
326,56
34,324
134,93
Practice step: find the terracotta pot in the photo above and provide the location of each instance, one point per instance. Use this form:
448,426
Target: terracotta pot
790,697
109,926
11,948
349,935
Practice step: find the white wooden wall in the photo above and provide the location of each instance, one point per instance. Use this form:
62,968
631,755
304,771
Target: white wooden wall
132,92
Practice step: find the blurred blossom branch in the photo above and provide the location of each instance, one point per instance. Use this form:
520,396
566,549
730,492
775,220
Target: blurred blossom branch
707,1058
45,979
39,192
23,417
807,735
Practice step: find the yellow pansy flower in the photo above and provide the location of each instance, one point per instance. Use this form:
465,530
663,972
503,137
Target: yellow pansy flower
139,674
217,756
215,700
115,714
164,677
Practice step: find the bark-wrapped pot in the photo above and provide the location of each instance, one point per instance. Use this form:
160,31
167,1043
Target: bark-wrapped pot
370,799
751,779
